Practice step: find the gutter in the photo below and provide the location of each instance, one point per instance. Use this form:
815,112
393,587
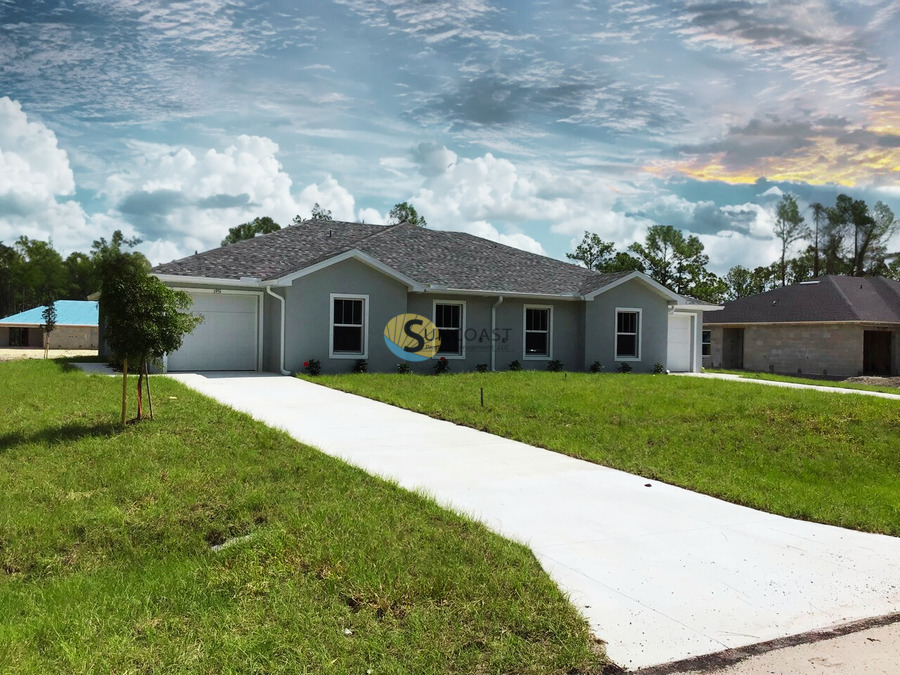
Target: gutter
281,349
493,329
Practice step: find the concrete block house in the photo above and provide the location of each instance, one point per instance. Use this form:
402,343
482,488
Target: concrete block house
76,327
326,290
829,326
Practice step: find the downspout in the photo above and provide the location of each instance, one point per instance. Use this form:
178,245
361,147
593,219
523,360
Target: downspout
281,356
493,333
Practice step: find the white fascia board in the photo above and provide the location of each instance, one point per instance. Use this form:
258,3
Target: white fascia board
815,324
505,294
698,308
19,324
208,281
643,278
353,254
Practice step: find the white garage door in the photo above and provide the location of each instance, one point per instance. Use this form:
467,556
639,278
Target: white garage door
227,339
680,343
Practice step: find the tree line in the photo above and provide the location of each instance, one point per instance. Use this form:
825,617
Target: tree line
848,238
33,273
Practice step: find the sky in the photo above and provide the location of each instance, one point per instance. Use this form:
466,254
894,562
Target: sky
527,123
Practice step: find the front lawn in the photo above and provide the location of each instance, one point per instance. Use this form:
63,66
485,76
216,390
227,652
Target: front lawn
106,562
823,457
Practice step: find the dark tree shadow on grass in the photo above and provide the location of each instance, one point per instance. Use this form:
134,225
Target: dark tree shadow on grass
68,433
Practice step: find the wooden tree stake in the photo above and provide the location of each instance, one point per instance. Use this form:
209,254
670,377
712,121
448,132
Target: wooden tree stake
124,387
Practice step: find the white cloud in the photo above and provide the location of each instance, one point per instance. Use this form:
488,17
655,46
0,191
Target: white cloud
519,204
182,200
519,240
34,173
433,159
727,249
370,216
329,194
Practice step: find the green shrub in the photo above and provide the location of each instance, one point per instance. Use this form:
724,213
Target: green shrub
441,366
658,368
515,365
481,368
596,367
555,366
404,368
312,367
361,366
625,367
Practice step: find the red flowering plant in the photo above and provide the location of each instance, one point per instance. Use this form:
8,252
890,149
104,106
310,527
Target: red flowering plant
441,366
312,367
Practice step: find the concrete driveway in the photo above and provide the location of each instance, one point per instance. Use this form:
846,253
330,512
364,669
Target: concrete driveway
661,574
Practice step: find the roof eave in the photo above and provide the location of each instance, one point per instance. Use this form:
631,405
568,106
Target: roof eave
243,282
868,322
697,307
437,290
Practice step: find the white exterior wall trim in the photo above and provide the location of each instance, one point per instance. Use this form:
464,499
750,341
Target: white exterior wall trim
462,331
283,327
353,254
550,331
365,335
640,334
642,278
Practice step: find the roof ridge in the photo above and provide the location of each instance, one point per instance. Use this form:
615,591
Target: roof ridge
378,232
837,287
883,290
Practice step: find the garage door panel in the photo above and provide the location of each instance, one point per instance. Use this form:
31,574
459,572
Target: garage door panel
227,339
680,345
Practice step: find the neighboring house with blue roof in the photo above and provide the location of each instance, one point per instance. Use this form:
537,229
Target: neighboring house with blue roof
330,291
76,327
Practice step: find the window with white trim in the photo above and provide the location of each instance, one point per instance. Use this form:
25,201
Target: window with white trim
449,319
706,349
537,332
348,326
628,334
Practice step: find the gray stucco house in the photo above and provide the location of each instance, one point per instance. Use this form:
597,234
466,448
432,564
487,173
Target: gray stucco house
831,325
327,290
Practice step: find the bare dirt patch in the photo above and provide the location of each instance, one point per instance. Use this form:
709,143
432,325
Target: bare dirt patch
16,353
872,381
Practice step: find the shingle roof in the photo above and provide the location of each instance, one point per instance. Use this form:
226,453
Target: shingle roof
430,257
68,313
828,299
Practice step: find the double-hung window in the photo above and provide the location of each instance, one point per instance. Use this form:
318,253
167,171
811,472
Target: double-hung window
628,334
706,349
538,326
349,337
450,319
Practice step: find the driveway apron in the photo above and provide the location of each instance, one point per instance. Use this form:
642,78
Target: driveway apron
660,573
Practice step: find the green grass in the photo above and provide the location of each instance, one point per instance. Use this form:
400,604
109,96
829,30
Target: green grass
106,565
821,382
805,454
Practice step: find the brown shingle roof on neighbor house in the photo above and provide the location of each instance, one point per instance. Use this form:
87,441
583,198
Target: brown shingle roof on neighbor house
826,299
453,260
